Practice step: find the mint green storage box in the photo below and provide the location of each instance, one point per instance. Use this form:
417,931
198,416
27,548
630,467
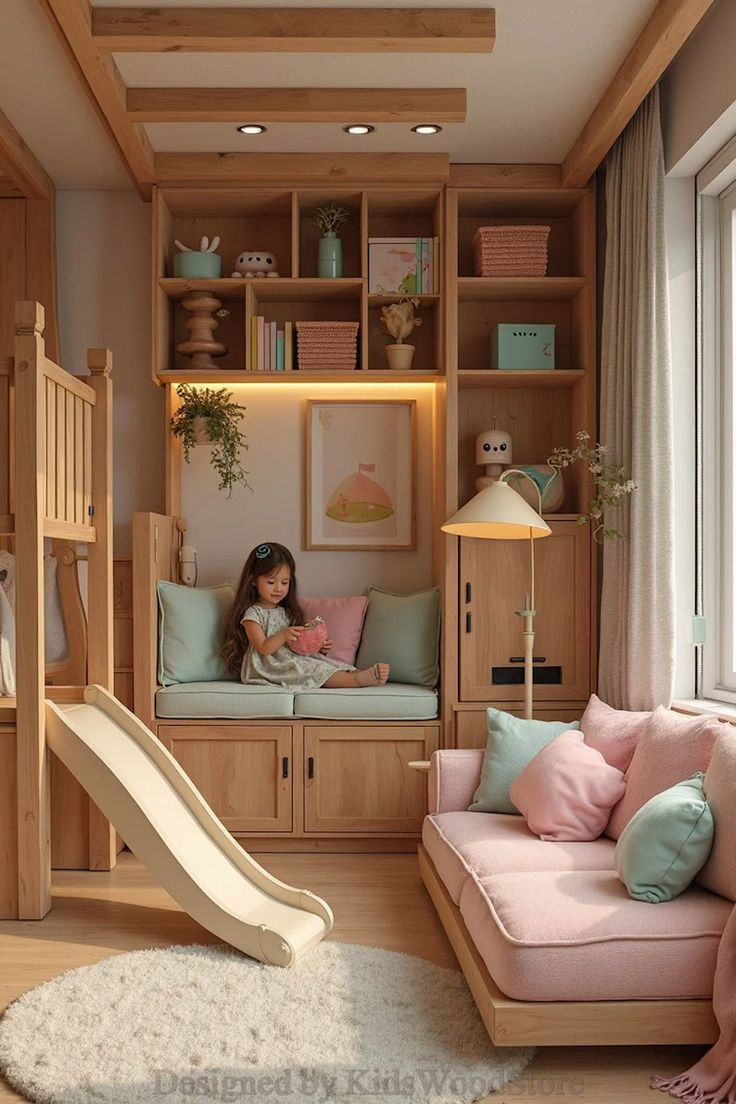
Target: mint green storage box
523,347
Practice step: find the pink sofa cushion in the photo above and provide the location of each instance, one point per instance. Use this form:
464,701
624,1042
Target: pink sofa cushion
719,872
568,790
671,748
461,844
579,936
613,732
344,619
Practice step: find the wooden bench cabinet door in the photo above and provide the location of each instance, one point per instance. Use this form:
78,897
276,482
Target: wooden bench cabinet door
359,779
494,577
243,772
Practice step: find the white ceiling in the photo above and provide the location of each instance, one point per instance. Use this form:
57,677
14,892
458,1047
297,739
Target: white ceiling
527,100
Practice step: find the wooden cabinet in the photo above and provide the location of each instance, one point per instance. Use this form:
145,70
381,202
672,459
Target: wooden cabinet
494,576
244,772
471,728
358,779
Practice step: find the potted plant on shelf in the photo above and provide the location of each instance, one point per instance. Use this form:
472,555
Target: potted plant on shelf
400,322
329,219
207,416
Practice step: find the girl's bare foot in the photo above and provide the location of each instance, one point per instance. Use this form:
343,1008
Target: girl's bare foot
376,675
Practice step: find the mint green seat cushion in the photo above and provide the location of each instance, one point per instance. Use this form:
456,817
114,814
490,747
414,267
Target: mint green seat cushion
512,743
392,702
228,700
403,630
191,623
666,842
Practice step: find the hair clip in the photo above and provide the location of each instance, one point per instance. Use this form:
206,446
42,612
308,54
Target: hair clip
262,551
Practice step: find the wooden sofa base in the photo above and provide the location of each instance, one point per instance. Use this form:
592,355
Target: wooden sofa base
565,1023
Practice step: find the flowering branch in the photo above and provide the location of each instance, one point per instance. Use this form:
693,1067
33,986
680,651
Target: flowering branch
610,481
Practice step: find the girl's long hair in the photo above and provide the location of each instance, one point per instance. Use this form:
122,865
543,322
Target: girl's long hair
263,560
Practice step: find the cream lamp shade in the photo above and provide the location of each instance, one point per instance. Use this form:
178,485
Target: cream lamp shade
497,512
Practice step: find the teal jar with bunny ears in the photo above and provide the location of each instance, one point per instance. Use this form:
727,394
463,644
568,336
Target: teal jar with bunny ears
198,264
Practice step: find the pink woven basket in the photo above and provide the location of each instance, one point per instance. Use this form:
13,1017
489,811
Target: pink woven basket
327,346
510,250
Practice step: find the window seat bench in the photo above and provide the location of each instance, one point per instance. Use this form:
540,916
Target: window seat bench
234,701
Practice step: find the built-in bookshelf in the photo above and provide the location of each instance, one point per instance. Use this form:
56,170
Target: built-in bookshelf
282,223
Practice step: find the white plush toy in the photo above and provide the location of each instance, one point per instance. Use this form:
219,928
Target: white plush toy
256,263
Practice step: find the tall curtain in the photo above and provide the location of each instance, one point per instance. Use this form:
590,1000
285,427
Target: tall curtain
637,630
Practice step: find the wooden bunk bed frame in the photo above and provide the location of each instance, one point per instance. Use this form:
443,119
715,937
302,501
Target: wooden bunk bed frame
55,482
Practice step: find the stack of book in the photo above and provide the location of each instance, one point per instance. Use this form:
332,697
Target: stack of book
327,346
271,348
403,266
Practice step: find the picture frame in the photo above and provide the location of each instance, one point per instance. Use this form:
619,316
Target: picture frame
360,474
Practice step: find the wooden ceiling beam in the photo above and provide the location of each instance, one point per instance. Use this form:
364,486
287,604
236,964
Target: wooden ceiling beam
295,30
297,105
24,173
301,170
669,27
72,19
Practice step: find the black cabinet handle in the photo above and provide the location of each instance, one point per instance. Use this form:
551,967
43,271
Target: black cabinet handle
285,767
468,622
468,592
310,767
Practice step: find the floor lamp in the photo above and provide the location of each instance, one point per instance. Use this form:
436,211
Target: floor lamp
498,512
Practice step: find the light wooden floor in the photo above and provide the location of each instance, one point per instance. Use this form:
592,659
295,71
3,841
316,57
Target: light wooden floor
377,899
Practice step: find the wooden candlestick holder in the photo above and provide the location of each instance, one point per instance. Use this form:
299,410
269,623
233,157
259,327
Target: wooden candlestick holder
200,344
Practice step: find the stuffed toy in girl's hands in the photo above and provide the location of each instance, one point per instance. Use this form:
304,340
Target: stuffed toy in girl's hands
311,639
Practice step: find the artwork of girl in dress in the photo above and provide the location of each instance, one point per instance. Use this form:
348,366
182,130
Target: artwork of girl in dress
360,463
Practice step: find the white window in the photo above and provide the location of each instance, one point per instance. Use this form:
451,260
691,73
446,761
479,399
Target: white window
717,433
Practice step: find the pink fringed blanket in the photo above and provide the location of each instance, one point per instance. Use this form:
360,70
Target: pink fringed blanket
712,1080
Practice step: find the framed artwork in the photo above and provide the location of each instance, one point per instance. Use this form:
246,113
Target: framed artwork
361,474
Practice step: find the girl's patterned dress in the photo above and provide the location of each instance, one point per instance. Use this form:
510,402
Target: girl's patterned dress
284,667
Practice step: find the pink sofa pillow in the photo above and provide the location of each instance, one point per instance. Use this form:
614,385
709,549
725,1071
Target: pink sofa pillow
568,790
344,618
672,747
719,873
613,732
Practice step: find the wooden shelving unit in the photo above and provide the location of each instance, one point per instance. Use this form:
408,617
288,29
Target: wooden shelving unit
281,221
541,409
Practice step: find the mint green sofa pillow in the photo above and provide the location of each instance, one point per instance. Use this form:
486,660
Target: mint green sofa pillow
191,623
512,743
666,842
403,630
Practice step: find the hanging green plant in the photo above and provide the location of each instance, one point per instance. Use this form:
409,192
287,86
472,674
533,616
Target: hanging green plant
208,411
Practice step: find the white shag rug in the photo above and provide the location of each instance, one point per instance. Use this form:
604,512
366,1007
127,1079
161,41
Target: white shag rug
347,1025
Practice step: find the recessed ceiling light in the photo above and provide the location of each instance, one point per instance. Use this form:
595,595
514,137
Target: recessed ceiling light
252,128
427,128
359,128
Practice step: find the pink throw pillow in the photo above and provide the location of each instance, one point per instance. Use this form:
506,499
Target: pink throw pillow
672,747
568,790
613,732
344,618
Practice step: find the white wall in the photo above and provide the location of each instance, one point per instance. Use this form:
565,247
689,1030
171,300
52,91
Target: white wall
104,256
680,227
224,530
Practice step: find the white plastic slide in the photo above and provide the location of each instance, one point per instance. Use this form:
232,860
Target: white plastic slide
168,825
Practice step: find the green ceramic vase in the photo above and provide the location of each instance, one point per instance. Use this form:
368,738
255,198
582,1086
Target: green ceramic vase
329,262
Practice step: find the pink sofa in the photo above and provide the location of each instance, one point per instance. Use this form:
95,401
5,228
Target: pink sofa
551,921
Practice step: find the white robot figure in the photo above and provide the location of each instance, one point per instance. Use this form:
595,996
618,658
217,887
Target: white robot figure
493,452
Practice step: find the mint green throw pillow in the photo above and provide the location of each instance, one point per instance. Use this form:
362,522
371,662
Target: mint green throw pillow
666,842
191,624
512,743
403,630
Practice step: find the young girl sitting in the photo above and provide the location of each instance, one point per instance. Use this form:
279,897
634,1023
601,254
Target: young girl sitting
266,617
